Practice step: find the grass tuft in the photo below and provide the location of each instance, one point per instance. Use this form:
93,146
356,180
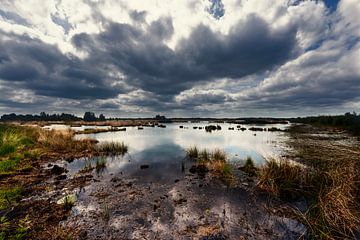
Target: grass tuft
112,148
334,209
219,155
249,167
100,163
192,152
215,161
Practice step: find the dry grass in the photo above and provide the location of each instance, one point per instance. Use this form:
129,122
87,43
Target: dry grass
63,141
334,210
283,179
337,210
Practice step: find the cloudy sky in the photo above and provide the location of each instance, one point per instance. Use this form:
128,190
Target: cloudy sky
131,58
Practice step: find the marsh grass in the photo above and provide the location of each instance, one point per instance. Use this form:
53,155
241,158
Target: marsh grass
9,195
12,139
192,152
218,155
112,148
334,210
100,163
283,179
215,160
68,202
63,141
204,156
249,167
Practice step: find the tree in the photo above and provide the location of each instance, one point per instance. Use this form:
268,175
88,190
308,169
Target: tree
102,117
89,117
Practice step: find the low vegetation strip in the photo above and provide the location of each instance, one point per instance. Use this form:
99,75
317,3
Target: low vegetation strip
348,121
329,180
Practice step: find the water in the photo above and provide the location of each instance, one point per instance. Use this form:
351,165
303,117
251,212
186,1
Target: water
154,144
145,200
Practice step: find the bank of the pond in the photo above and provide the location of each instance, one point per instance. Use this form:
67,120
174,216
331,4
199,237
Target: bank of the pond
25,210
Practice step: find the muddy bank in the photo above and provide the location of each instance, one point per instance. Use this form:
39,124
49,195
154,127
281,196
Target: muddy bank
138,206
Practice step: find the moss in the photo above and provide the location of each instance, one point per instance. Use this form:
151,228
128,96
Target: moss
7,166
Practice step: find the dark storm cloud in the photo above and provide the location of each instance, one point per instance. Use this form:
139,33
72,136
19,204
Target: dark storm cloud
162,28
319,83
46,71
250,47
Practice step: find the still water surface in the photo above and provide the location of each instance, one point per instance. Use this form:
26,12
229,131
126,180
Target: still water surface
166,144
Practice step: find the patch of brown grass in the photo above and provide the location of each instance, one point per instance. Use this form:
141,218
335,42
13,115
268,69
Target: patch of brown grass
334,211
63,141
283,179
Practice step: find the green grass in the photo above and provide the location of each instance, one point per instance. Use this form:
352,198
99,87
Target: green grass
205,155
9,195
6,149
226,169
214,160
69,202
7,166
19,232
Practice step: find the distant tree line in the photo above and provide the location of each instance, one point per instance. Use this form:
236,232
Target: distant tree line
88,116
348,121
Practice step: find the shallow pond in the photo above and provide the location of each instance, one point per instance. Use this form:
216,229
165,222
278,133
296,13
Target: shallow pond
164,148
150,192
